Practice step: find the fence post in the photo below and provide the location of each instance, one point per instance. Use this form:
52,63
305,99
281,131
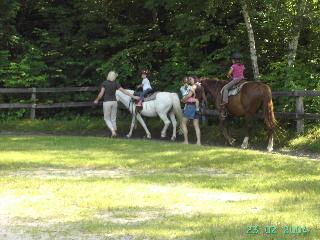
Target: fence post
300,110
33,102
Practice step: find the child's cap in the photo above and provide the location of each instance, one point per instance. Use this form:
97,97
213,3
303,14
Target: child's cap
236,56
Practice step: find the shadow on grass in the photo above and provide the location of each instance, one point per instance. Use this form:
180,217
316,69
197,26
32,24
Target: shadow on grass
165,163
149,155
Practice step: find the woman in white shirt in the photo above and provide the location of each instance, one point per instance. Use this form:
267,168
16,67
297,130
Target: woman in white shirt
146,87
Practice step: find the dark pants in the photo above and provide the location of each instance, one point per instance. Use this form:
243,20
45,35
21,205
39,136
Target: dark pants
143,93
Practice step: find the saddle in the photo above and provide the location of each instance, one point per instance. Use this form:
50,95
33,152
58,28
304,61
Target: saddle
149,97
235,90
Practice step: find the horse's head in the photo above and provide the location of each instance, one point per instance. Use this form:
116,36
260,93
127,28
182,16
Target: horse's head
121,97
212,85
194,80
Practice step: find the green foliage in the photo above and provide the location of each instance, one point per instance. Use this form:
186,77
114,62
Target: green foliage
75,43
308,142
30,71
120,62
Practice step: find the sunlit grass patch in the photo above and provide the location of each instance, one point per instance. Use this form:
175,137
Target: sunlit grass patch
309,141
98,188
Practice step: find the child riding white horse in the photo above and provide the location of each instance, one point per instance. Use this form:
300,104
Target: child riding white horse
164,104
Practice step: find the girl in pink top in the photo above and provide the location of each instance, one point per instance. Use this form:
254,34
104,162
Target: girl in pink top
236,72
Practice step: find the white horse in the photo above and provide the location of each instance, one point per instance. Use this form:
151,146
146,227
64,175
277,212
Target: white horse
165,104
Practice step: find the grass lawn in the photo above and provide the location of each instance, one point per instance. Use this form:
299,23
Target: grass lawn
99,188
309,141
210,135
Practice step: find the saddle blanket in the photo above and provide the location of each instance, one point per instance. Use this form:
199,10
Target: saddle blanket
150,97
234,90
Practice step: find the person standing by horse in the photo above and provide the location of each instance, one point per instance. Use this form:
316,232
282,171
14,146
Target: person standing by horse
189,113
236,73
185,90
146,87
110,105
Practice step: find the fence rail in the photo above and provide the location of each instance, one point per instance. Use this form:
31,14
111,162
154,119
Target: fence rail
299,115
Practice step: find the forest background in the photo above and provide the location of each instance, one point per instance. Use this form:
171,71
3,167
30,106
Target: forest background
55,43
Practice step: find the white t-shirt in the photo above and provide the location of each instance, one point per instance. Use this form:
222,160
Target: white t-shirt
185,90
146,84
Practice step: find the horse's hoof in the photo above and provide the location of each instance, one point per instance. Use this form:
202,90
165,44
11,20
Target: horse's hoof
173,138
270,149
244,147
148,136
128,136
232,141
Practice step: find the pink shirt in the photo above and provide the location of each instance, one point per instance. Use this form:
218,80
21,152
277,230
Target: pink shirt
238,70
191,100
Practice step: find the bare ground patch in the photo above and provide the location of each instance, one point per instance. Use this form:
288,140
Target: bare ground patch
77,173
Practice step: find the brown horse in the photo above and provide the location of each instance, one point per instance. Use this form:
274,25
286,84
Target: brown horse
200,91
252,96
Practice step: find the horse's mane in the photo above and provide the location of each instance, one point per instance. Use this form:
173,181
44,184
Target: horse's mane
212,83
207,85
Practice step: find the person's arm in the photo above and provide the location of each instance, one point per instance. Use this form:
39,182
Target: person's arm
140,85
100,95
229,74
191,92
128,94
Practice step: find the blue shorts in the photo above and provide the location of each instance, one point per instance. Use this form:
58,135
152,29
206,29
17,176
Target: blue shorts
189,112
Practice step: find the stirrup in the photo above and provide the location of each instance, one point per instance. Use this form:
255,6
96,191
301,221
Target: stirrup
223,114
139,108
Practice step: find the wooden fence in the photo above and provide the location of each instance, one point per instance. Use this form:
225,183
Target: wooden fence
299,115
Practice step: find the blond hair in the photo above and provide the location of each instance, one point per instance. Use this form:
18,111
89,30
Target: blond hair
112,75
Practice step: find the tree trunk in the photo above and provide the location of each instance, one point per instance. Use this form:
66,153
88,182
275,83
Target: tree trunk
297,22
252,44
293,46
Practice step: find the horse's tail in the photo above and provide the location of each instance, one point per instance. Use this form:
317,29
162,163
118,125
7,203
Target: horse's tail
176,106
269,117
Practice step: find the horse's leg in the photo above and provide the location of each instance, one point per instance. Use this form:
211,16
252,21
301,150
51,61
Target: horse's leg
174,125
140,119
166,121
224,131
133,123
270,140
248,119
